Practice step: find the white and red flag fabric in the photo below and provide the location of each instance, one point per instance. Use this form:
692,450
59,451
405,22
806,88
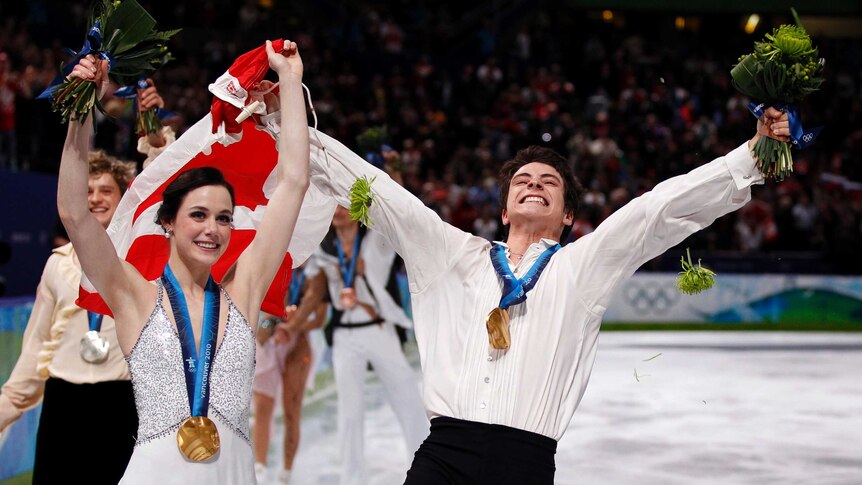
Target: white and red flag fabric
246,154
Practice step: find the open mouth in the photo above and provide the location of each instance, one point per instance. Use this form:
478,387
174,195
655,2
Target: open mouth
535,199
98,210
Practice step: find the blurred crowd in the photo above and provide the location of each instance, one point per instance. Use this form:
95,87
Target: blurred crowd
631,98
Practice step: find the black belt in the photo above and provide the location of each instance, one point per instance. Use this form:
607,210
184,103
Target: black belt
376,321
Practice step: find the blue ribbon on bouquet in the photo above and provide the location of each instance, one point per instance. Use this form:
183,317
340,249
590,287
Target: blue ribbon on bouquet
131,92
799,137
376,158
92,45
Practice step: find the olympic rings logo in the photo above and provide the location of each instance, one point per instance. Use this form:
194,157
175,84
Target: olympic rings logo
650,297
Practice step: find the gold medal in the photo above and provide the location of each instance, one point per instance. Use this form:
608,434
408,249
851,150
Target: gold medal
198,439
348,298
498,329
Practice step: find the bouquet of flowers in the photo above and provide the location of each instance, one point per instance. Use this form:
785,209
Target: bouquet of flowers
121,33
147,121
373,142
783,69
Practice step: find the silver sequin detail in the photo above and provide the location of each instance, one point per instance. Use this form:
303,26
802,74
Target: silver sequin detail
155,363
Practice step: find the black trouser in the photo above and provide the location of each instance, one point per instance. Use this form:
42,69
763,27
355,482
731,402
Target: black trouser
86,433
466,452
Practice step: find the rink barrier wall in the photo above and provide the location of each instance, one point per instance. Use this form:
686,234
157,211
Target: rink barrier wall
646,297
740,298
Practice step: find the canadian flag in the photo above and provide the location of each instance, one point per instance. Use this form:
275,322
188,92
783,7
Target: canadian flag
246,154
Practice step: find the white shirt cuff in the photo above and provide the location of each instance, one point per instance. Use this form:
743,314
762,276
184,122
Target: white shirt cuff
743,167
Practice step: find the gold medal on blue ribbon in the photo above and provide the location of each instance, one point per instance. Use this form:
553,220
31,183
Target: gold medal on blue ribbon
498,329
514,292
198,438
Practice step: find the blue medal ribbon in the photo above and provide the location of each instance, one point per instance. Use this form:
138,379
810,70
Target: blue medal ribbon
197,365
95,320
514,289
295,289
92,45
799,137
348,272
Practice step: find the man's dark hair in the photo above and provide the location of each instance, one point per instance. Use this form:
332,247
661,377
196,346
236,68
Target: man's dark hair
571,187
189,180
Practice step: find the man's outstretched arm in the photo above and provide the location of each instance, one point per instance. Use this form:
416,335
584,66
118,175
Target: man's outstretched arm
428,245
662,218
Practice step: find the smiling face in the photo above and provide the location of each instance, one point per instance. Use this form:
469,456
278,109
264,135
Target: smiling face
536,199
202,227
103,196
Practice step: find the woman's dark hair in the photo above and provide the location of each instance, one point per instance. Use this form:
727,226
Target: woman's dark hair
189,180
571,187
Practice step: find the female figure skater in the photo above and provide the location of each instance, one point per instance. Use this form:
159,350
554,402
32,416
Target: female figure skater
192,358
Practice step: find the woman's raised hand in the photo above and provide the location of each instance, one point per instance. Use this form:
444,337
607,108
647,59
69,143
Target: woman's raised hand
286,62
89,68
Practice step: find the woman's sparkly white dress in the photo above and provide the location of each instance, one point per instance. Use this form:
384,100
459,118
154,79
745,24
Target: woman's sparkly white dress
161,398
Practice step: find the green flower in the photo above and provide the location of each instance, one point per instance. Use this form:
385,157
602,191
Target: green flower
361,197
694,279
791,40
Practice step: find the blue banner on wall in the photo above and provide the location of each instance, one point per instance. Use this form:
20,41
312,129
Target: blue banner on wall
30,203
735,298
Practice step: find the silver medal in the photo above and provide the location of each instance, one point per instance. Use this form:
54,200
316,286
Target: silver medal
94,348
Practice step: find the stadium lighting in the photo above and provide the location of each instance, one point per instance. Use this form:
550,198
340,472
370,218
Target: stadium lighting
679,22
751,23
607,15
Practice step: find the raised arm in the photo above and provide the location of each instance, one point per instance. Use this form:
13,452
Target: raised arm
662,218
428,245
116,281
153,144
258,264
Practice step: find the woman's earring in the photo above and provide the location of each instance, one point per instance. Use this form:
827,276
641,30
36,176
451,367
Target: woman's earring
168,233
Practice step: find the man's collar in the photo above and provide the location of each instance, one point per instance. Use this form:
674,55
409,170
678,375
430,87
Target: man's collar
543,244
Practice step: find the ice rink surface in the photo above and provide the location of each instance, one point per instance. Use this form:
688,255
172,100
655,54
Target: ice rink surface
714,407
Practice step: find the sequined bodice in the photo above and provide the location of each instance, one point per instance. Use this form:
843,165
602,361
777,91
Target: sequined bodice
155,363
